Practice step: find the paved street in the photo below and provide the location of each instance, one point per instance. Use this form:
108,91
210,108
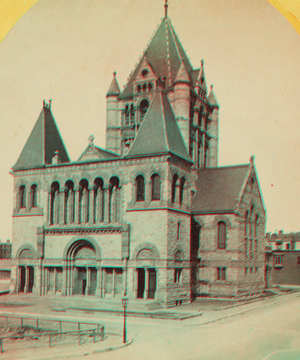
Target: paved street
256,330
254,335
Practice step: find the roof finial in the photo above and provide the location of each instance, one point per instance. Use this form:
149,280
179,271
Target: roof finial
166,9
91,139
114,73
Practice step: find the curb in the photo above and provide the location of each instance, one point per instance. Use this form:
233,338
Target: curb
237,313
134,314
257,300
77,353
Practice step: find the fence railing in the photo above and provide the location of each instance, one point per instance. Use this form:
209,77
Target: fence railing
96,331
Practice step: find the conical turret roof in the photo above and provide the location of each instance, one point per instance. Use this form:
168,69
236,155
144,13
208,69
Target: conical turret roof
212,97
201,77
114,87
182,75
165,54
42,143
159,133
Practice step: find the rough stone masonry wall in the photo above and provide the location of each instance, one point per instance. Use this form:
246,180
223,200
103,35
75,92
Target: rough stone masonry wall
211,257
178,241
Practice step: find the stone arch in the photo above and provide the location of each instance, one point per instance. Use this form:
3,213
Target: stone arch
145,245
224,218
29,247
77,240
55,180
178,252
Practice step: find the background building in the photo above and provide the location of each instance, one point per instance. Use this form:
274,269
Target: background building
285,257
152,214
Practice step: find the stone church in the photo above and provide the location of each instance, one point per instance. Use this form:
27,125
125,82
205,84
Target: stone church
152,215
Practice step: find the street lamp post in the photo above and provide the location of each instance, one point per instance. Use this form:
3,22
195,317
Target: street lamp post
124,303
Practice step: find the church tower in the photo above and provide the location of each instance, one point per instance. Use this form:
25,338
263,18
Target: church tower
165,65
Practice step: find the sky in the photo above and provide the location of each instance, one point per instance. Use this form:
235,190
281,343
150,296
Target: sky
67,51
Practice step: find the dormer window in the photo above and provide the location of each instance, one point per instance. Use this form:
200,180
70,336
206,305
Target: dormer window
144,73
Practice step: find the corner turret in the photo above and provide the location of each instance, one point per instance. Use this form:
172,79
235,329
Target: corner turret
113,134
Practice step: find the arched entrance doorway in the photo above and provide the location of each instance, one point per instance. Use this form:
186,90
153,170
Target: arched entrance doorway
26,272
82,260
146,275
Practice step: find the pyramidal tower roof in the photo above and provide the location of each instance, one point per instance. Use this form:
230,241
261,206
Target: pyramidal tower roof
212,97
159,133
42,143
165,55
114,87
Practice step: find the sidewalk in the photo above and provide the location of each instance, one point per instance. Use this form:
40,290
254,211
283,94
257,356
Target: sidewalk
112,342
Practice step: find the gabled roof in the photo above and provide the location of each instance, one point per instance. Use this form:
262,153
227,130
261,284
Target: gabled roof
93,152
165,54
159,132
114,87
42,143
218,189
212,97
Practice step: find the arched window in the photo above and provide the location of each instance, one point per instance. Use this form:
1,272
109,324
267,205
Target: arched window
200,114
83,201
132,114
33,196
144,107
246,223
255,226
155,187
221,235
174,185
182,182
69,202
22,196
140,188
54,203
126,115
114,203
99,206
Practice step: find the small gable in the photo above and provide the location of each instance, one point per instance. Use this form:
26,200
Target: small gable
95,153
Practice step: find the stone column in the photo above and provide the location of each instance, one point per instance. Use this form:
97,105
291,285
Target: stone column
54,286
49,208
146,294
41,277
106,205
88,281
98,292
91,205
148,195
113,204
61,206
76,206
135,281
26,279
44,281
203,150
65,279
103,283
114,283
